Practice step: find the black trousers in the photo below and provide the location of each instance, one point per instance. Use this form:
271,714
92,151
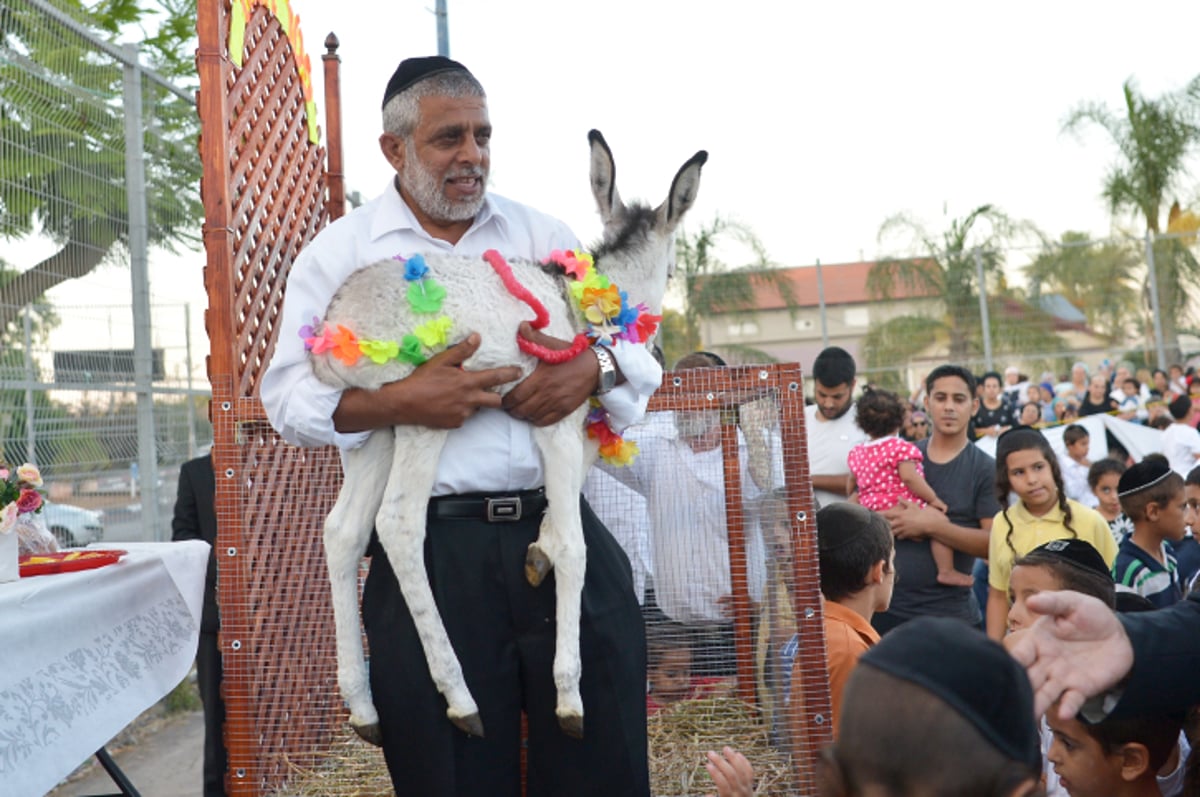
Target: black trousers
503,631
208,678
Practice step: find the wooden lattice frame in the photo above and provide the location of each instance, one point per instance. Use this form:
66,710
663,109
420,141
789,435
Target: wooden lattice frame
265,189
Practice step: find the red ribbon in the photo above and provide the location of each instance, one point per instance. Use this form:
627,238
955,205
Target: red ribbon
541,317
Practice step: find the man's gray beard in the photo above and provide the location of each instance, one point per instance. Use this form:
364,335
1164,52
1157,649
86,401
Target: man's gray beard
429,192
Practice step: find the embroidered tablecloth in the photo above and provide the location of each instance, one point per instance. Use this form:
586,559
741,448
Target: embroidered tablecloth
83,653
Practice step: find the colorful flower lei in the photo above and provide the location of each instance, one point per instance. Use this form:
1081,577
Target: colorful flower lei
425,296
609,315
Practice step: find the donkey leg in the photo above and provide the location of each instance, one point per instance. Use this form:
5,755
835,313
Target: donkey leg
401,528
347,531
561,537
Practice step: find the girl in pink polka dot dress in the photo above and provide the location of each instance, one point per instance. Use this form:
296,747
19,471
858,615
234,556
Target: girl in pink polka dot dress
887,469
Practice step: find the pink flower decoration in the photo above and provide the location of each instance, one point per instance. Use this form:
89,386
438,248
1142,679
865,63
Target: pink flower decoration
29,501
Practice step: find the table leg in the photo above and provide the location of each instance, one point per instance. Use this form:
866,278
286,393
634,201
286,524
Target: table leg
118,777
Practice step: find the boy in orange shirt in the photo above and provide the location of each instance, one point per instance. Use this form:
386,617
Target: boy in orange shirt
857,559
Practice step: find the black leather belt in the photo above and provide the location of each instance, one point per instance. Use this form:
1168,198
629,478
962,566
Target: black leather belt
489,508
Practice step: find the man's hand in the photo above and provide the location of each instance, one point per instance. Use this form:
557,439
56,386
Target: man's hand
552,392
1077,650
731,772
438,394
912,522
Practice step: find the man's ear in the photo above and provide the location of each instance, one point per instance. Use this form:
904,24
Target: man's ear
1151,512
392,147
1134,759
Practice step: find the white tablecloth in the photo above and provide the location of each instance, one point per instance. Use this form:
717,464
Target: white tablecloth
82,654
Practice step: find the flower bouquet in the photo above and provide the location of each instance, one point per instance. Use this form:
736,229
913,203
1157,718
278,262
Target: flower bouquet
21,510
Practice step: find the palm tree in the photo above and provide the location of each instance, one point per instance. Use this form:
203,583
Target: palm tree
1154,139
704,284
1097,279
943,268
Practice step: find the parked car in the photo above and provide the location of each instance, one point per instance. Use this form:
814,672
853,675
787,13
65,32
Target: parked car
73,526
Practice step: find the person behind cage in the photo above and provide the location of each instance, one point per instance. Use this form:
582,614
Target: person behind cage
935,708
887,469
1026,465
1153,497
436,140
669,675
682,476
1104,478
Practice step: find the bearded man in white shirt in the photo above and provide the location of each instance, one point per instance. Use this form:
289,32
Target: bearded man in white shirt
831,424
436,139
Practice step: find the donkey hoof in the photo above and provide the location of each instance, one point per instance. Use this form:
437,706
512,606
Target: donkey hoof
369,733
571,724
537,565
471,724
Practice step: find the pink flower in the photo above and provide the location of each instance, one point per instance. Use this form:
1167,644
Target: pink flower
30,501
8,517
29,474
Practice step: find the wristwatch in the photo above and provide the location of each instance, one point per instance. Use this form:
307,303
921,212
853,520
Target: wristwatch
608,370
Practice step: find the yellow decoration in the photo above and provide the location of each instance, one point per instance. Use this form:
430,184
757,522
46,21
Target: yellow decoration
433,334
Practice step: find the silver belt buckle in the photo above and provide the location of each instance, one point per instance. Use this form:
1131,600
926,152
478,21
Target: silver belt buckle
504,510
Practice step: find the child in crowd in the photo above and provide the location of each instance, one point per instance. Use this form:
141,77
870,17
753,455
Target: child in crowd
1026,465
887,469
857,564
1129,405
1112,758
1103,478
1152,495
1075,464
1187,550
1031,415
957,719
1180,440
669,670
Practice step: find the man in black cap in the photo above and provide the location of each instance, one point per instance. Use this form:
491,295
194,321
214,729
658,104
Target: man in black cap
436,135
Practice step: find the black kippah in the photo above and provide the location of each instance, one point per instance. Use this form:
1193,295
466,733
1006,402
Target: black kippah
840,524
1078,553
1147,473
969,672
412,70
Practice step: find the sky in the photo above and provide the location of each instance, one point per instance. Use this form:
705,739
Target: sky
821,120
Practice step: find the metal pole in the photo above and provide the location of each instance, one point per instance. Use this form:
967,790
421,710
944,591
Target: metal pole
1160,349
30,438
191,401
135,192
443,29
983,311
821,306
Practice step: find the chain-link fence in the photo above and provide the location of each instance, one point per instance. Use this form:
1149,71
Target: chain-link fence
101,378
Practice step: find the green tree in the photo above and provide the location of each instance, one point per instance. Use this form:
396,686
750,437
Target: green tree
942,267
1155,138
705,285
62,175
1099,279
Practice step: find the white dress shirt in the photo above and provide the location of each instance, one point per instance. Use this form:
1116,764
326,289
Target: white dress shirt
491,452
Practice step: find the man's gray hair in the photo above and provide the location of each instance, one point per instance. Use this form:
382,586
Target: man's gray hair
403,112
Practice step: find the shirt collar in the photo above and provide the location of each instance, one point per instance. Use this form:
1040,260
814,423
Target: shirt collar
860,624
1055,515
394,215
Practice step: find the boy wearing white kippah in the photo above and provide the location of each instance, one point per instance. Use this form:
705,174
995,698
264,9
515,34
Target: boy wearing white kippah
1152,496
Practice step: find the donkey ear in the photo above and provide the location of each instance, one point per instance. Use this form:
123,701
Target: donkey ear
604,178
683,191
